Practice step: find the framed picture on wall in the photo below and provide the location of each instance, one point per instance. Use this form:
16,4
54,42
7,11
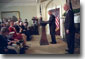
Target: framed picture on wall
10,15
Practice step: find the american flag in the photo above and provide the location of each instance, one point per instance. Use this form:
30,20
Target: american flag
57,22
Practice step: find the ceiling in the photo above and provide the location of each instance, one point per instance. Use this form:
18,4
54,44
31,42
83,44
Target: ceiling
18,1
21,1
42,0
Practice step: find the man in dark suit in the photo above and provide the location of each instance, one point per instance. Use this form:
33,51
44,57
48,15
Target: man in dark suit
4,42
69,28
52,26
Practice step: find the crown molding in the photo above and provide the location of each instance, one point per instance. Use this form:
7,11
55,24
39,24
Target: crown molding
18,4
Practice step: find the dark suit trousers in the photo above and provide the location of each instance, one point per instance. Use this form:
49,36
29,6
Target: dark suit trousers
53,38
52,32
70,42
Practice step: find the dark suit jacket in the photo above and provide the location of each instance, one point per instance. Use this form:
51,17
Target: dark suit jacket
3,42
52,24
69,21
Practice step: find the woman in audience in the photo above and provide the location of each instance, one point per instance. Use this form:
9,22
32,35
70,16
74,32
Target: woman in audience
12,29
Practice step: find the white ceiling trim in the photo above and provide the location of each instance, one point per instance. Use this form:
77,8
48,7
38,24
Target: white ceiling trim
18,1
18,4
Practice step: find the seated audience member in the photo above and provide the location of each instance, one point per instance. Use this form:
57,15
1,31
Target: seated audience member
21,37
27,31
35,23
0,26
16,26
26,22
26,25
24,30
7,24
3,24
22,27
4,42
12,29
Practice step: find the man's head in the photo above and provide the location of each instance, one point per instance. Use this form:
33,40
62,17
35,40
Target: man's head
66,7
11,23
21,23
25,20
4,31
50,12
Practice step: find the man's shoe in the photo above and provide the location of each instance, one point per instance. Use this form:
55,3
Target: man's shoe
26,47
53,42
66,50
66,53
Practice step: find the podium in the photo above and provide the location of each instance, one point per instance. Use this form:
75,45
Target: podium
43,40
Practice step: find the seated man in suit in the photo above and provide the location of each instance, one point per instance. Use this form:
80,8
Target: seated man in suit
4,42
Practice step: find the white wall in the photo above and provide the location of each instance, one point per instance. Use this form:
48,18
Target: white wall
26,12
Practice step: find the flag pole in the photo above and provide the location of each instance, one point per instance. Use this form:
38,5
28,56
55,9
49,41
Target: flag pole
70,4
40,10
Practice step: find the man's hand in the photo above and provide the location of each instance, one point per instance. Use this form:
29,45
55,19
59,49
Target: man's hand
9,43
5,50
67,31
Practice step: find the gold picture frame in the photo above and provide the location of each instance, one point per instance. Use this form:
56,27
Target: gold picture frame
10,15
